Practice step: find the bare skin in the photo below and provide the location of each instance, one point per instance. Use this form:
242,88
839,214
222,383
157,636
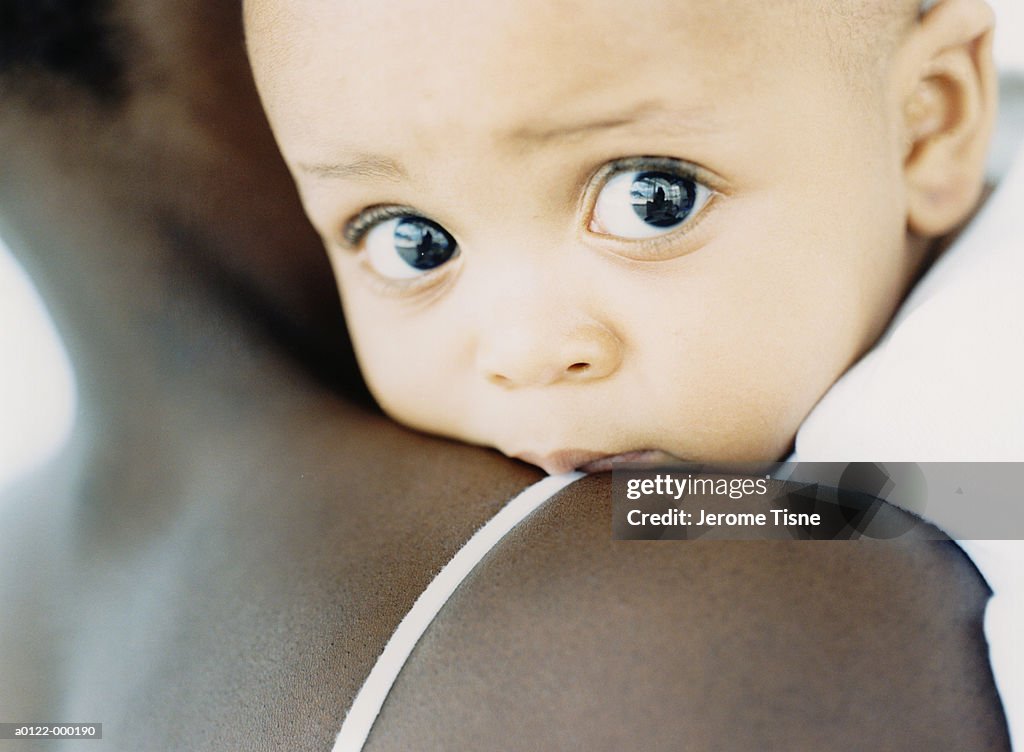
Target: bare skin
220,554
558,327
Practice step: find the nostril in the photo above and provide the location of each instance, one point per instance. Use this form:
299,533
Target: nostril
578,368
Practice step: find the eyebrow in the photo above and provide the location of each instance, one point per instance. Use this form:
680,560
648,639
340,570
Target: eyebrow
556,132
377,167
369,166
651,113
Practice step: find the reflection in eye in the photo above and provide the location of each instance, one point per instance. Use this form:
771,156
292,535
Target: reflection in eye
637,204
407,247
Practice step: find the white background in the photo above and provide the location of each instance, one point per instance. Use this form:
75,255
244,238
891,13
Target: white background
36,382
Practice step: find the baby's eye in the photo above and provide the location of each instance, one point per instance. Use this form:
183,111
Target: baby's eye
644,203
405,247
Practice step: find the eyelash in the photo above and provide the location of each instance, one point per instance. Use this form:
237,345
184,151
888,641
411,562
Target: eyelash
608,170
355,229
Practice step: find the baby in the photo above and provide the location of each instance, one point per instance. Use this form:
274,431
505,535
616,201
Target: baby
588,230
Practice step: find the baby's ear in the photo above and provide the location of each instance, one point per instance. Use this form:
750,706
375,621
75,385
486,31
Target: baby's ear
949,106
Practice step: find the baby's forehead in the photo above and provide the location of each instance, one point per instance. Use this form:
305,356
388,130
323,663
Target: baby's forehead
412,35
510,42
418,76
454,21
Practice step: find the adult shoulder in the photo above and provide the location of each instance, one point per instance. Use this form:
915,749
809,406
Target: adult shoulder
565,639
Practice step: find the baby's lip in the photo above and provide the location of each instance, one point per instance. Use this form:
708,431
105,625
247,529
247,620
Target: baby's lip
561,461
647,456
589,461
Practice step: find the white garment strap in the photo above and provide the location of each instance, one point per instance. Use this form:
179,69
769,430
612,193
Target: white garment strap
361,716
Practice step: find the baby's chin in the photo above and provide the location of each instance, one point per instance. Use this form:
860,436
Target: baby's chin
589,461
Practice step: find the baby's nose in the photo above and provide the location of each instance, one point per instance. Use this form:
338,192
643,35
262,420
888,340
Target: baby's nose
539,356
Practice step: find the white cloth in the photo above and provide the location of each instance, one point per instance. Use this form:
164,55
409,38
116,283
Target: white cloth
943,385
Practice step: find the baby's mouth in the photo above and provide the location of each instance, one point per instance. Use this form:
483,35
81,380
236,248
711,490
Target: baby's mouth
641,456
589,461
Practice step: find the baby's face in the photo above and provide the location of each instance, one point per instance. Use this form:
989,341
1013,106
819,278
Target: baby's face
579,229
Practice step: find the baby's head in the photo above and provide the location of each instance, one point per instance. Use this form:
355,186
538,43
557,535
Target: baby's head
579,229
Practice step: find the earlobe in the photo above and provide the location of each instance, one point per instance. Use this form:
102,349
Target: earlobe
948,115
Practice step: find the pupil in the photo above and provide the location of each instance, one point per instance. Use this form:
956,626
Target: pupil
661,199
423,244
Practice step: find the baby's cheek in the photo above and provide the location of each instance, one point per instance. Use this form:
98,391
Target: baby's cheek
758,391
742,422
413,372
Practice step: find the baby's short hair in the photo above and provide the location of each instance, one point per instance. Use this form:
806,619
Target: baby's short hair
864,33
